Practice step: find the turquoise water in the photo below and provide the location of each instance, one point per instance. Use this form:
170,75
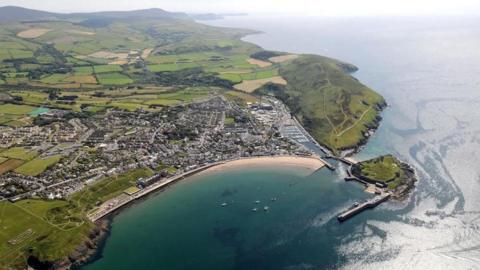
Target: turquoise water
187,228
428,70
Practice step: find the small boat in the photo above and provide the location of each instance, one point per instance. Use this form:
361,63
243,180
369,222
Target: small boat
224,204
254,209
273,199
265,208
257,202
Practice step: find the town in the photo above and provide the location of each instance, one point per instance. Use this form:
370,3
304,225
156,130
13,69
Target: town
170,142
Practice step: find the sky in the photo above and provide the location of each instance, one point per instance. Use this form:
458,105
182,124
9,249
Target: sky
280,7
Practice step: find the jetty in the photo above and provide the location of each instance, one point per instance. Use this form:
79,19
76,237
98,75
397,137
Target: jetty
360,207
347,160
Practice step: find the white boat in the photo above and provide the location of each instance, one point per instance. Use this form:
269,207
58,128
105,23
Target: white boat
254,209
224,204
266,208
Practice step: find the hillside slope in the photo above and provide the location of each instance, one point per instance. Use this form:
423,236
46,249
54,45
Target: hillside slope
334,106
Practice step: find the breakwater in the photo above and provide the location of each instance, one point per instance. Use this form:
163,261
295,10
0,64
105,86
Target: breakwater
360,207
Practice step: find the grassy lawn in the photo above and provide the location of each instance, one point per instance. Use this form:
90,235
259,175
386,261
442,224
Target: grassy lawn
384,168
131,190
242,96
21,153
107,68
113,79
15,109
38,165
163,102
83,70
26,229
55,78
171,67
229,120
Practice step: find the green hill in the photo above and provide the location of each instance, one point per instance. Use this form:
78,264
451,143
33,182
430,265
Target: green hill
332,105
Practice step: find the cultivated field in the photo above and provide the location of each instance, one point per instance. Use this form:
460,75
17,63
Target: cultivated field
259,63
33,32
283,58
21,153
10,165
252,85
37,166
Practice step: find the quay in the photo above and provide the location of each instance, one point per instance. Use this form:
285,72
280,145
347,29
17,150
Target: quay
358,208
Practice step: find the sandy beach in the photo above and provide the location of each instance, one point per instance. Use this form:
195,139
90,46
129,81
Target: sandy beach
309,163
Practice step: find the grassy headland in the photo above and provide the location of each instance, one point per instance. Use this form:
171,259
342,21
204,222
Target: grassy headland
333,106
398,176
51,231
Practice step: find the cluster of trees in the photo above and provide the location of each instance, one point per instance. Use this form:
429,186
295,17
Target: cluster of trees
181,133
190,77
265,55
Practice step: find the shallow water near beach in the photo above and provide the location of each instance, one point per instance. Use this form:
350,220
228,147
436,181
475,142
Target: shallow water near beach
427,69
186,227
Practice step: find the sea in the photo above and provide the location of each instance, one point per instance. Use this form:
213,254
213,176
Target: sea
428,70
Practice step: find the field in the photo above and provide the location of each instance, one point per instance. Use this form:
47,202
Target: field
113,79
242,96
15,109
106,68
15,115
32,225
252,85
10,165
37,166
121,98
171,67
283,58
21,153
33,32
259,63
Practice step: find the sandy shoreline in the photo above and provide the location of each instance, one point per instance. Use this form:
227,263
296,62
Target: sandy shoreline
308,163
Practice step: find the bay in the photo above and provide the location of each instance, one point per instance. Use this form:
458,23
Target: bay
427,69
